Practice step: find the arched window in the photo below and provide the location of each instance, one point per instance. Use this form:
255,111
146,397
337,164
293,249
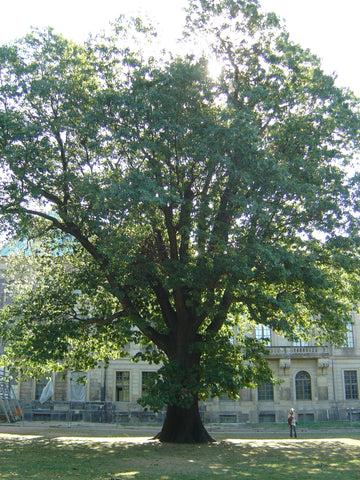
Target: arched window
303,386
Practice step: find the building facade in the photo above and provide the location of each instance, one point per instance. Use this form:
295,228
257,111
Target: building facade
320,382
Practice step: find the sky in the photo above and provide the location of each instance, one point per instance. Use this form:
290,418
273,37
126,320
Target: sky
328,27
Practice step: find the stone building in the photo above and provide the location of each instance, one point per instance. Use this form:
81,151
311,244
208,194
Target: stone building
320,382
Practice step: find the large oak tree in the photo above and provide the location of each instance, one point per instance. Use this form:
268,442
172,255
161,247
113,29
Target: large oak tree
171,208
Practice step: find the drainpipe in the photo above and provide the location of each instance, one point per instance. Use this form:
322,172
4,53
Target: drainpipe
103,396
333,380
103,388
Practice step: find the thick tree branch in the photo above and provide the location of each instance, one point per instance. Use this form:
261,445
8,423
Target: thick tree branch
222,312
167,310
223,219
64,163
159,339
49,196
204,205
156,337
72,229
184,222
171,231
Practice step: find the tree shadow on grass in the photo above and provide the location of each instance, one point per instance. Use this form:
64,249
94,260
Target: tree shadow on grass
41,458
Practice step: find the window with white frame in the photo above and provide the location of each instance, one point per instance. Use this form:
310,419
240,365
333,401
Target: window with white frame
351,385
263,332
300,343
349,339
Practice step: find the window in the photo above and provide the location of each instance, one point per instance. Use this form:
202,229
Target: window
146,378
39,387
304,418
122,387
263,332
267,418
224,398
227,418
77,389
351,384
349,339
300,342
265,392
303,386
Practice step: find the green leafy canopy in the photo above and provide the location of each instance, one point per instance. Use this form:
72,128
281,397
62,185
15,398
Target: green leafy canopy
171,208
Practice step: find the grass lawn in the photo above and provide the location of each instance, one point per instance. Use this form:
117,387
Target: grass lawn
52,454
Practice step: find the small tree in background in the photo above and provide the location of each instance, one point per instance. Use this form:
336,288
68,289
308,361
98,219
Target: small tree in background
169,206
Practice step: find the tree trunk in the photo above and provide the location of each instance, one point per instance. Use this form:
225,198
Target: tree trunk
184,425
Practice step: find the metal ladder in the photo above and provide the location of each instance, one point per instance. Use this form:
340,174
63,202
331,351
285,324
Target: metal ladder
9,403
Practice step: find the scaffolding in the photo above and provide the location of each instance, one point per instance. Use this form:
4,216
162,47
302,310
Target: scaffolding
9,405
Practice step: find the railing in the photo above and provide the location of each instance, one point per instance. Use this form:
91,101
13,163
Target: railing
315,351
93,412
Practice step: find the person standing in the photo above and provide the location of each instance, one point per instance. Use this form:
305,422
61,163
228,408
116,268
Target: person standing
292,422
